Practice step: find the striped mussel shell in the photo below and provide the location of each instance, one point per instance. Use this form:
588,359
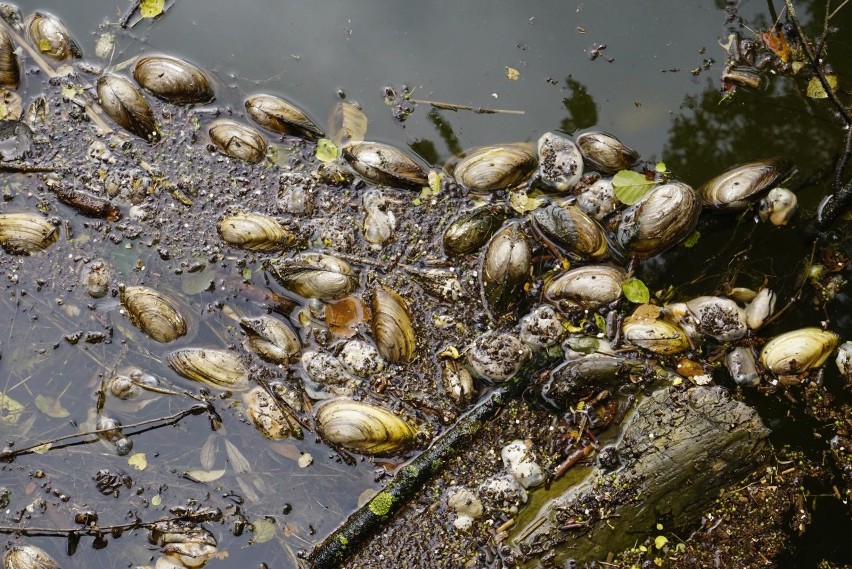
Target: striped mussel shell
271,339
220,369
492,168
238,140
363,428
385,165
10,69
797,351
254,232
173,80
391,324
739,187
605,153
571,231
127,106
154,313
281,117
314,275
26,233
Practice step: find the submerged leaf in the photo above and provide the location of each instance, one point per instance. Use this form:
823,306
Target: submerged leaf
238,460
326,150
346,124
205,475
41,449
10,410
692,240
630,186
816,90
50,407
263,530
151,8
635,291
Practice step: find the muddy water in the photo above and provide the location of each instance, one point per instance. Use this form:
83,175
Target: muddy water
655,85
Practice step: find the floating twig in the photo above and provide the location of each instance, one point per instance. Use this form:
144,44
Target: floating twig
96,530
124,22
457,107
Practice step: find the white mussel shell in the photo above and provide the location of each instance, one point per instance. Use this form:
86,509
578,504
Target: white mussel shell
271,339
797,351
361,358
26,233
267,416
497,357
217,368
844,360
28,557
778,207
588,287
598,200
742,367
560,162
760,308
363,428
718,317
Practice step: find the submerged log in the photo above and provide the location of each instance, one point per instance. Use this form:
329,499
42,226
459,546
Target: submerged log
679,448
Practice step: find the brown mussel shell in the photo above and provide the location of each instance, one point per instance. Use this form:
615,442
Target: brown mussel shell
173,80
471,230
571,231
314,275
492,168
385,165
505,269
743,185
271,339
238,140
363,428
605,153
153,312
10,69
217,368
587,287
26,233
126,106
254,232
50,36
281,117
391,324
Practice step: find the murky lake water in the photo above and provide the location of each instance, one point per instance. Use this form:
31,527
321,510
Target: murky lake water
642,87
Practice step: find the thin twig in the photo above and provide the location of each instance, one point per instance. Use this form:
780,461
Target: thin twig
456,107
836,10
98,530
125,18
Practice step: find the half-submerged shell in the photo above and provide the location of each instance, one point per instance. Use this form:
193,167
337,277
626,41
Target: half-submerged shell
238,140
657,336
718,317
739,187
216,368
778,206
153,312
571,231
664,217
28,557
497,357
314,275
173,80
363,428
798,351
606,153
10,70
271,339
126,106
26,233
560,162
267,416
50,36
255,232
385,165
281,117
505,269
471,230
742,367
587,287
492,168
391,324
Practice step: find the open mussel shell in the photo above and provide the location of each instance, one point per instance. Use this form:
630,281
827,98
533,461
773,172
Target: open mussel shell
238,140
255,232
571,231
657,336
314,275
10,69
271,339
153,312
586,287
173,80
497,356
798,351
28,557
472,229
385,165
125,105
267,416
391,324
664,217
492,168
505,269
363,428
217,368
281,117
605,153
50,36
739,187
26,233
560,162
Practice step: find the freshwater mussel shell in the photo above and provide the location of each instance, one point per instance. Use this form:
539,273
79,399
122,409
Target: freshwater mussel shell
254,232
471,230
664,217
173,80
124,104
605,153
237,140
579,378
271,339
657,336
28,557
718,317
742,367
739,187
778,206
50,36
505,269
26,233
153,312
267,416
797,351
95,278
560,162
492,168
571,231
363,428
314,275
587,287
281,117
10,69
497,357
217,368
391,324
385,165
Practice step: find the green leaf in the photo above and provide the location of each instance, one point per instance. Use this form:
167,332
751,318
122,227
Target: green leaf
151,8
326,150
661,167
600,322
630,186
692,239
660,541
635,291
817,91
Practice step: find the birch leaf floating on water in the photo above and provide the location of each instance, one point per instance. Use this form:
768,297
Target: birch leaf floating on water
817,91
151,8
50,407
206,475
327,151
138,461
630,186
263,530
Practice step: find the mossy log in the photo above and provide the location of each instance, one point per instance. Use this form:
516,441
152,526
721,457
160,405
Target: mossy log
678,449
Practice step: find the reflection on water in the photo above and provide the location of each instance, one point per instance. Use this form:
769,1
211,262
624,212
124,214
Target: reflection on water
62,346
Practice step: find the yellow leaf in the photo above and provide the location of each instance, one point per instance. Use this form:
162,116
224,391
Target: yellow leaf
206,475
156,500
326,150
138,461
10,410
41,449
660,541
512,73
816,90
151,8
44,45
263,529
69,92
522,203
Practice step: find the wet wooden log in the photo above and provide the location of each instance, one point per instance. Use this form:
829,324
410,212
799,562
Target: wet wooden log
678,450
